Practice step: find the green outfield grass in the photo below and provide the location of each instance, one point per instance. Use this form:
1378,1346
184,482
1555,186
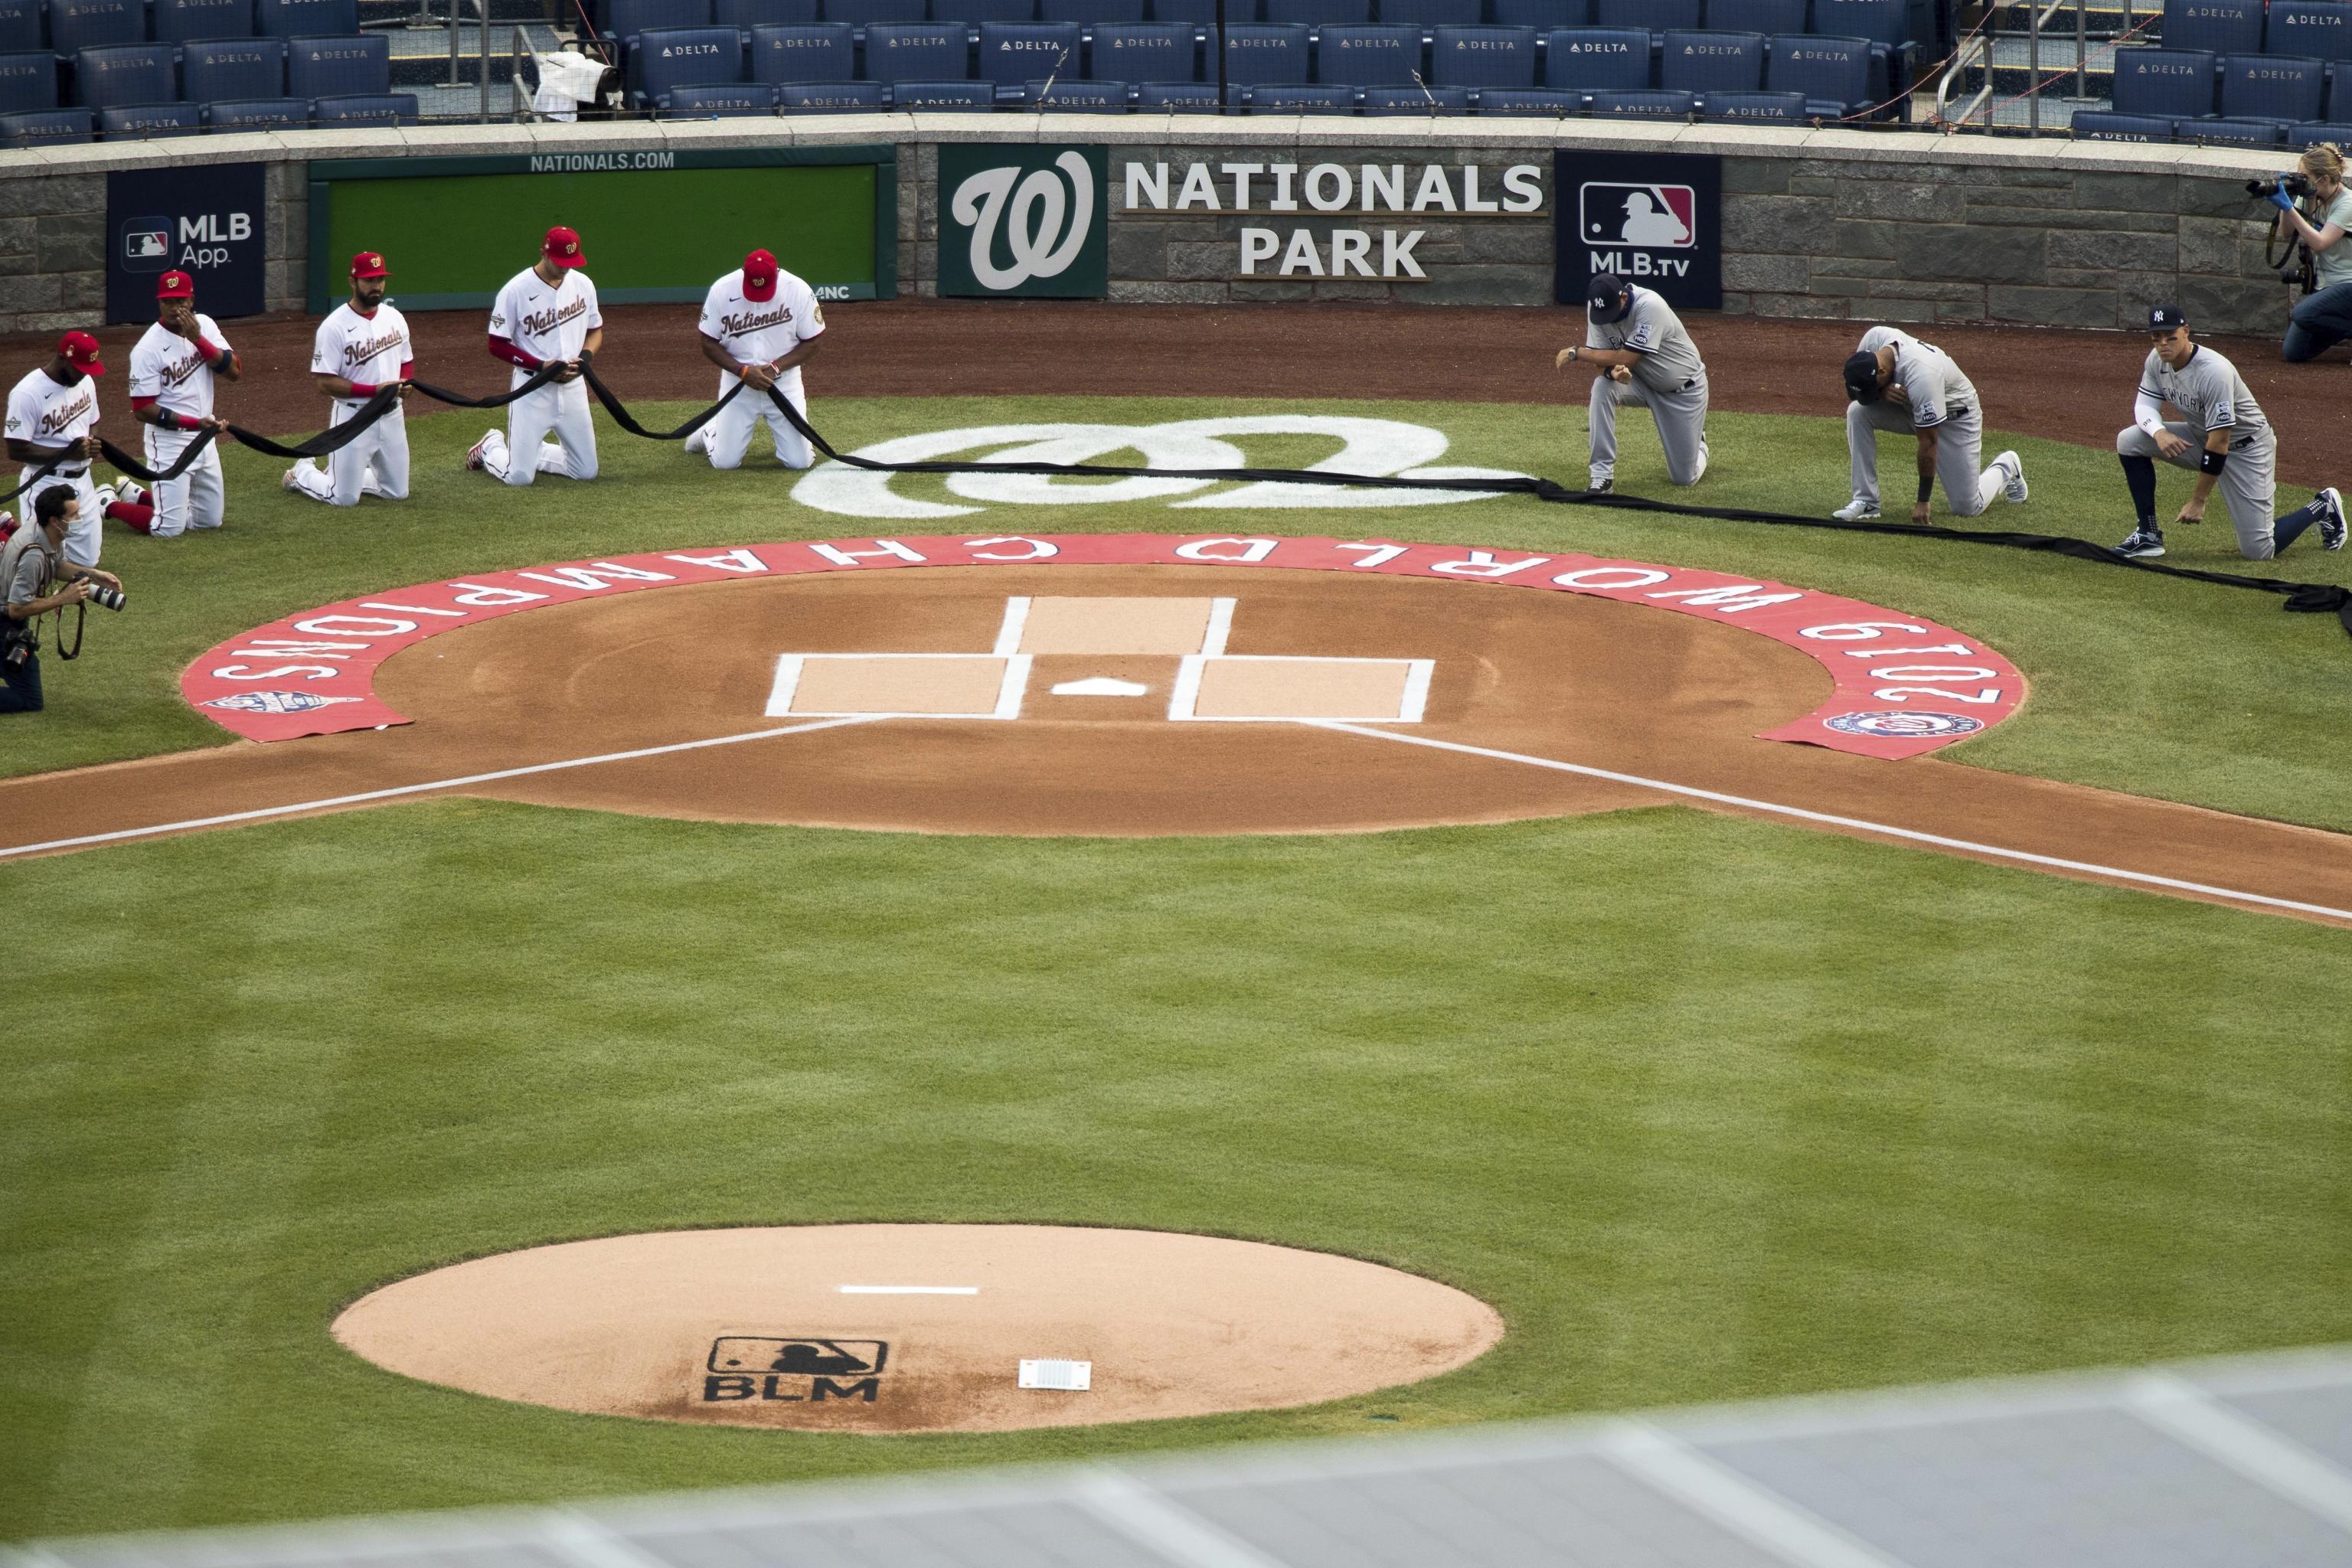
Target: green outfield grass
1708,1107
2182,691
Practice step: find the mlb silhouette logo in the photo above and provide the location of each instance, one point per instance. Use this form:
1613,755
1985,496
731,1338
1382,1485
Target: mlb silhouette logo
147,245
1646,218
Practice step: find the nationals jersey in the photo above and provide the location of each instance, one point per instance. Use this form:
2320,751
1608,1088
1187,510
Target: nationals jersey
1927,375
170,369
760,332
1650,327
48,414
372,350
542,320
2207,389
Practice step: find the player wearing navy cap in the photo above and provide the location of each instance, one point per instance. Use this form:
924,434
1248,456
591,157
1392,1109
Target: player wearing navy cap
1894,382
1635,337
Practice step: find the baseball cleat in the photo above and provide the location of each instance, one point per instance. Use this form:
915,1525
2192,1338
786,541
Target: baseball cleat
1702,463
2013,484
285,479
474,453
2145,544
698,440
135,493
2331,519
1601,488
1855,511
107,497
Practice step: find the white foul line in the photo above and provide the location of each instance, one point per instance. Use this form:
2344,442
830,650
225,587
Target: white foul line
1826,819
910,1289
1015,621
373,795
2268,1459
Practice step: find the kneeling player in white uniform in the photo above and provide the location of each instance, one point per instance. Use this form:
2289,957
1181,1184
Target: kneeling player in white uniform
53,419
760,324
1894,382
358,351
174,369
1635,337
546,314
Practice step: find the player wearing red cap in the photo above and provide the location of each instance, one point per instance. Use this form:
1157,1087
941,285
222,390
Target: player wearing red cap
760,324
174,367
53,416
360,349
546,314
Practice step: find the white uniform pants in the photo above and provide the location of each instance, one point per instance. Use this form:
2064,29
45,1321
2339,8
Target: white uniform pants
1959,447
1681,417
727,438
559,410
83,538
197,497
376,464
2248,483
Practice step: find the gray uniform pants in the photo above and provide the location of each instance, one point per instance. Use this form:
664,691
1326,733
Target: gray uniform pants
1960,448
1681,424
2249,484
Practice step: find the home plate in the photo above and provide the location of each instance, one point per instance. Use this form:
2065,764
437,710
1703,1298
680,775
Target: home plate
1074,1376
1101,685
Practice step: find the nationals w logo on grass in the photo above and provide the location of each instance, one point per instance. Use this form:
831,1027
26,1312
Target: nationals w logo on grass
1024,221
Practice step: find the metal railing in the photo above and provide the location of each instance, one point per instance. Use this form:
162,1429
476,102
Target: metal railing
481,53
1962,106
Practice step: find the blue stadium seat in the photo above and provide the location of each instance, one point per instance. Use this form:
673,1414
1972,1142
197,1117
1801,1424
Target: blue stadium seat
1179,97
2178,84
1261,55
232,67
2272,86
1090,12
1416,101
1145,52
178,21
1656,15
1012,53
1369,57
78,25
28,82
1484,57
258,114
1196,13
1767,16
625,19
864,13
2230,132
1529,101
341,67
917,51
22,28
2301,136
1317,12
1831,74
43,127
149,122
307,19
745,14
929,95
2224,26
1579,60
1887,25
718,100
822,53
2340,95
828,97
365,109
668,59
122,74
1640,103
1077,97
976,14
1705,62
1787,107
1427,15
1300,98
2321,29
2098,125
1543,15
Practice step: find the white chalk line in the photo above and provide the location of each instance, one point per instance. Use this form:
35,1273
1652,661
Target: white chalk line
1909,834
910,1289
363,798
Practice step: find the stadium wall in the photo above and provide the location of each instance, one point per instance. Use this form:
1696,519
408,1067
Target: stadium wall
1820,224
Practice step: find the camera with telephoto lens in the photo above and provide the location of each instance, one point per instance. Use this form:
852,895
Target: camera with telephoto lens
107,598
2293,184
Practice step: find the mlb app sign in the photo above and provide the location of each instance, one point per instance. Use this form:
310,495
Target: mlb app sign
1652,217
205,220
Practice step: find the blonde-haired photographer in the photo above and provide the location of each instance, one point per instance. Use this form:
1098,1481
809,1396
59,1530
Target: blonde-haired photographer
2323,317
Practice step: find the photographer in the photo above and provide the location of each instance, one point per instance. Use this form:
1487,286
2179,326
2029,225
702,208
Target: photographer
34,557
2322,319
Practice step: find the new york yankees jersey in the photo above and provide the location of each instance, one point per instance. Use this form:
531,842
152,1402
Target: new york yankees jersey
545,322
372,350
1927,375
760,332
2207,389
1650,327
170,369
48,414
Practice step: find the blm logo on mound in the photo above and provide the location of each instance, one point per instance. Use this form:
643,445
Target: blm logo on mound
793,1370
1655,218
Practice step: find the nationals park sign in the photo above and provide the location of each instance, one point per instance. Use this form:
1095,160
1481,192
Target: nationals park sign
1901,685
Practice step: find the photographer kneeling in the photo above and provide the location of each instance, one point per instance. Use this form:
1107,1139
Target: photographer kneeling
35,555
2324,317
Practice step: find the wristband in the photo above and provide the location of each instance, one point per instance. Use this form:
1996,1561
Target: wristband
364,389
167,419
1926,488
2212,462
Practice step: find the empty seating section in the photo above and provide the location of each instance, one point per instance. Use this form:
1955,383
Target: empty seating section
2272,86
2176,84
257,114
942,95
1783,106
28,82
2217,26
1583,59
1294,98
1265,56
1416,100
119,75
1146,52
232,67
365,109
21,28
1320,12
829,97
1094,13
917,51
720,100
179,21
1832,75
972,13
2315,29
41,127
1704,62
1479,57
1014,53
1178,97
1080,97
309,19
1528,101
824,53
1640,103
78,25
324,68
744,15
1369,57
668,59
1655,15
146,121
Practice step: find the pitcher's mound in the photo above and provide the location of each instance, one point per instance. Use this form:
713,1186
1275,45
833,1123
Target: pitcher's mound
918,1328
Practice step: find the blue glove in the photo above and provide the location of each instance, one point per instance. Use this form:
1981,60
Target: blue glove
2282,201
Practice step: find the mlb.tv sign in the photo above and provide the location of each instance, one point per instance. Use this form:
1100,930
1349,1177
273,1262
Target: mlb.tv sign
1653,218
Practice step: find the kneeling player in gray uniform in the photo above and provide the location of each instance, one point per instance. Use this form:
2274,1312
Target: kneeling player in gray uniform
2225,440
1637,338
1894,382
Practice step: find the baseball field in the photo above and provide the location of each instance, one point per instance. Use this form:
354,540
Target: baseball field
1703,1100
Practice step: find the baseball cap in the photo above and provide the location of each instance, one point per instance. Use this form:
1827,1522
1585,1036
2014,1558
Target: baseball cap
2164,317
81,351
176,286
1609,298
759,276
1862,378
368,264
562,247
